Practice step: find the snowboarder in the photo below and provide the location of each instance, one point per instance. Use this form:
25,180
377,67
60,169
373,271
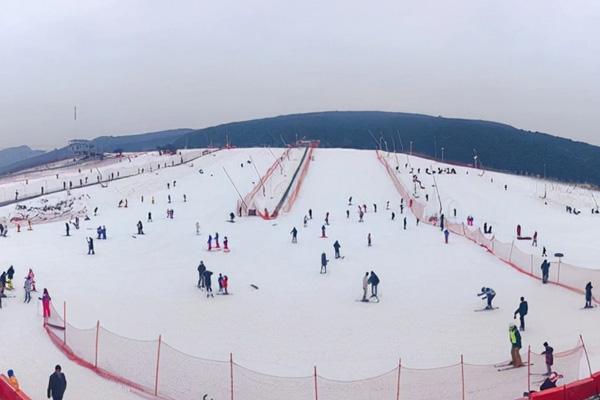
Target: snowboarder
515,342
209,241
336,248
323,235
365,285
45,303
488,294
549,353
90,243
369,240
522,311
374,281
446,235
57,384
201,270
545,267
588,295
27,288
208,283
294,233
140,228
324,262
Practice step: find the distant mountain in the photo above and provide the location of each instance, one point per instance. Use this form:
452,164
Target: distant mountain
14,154
497,145
107,144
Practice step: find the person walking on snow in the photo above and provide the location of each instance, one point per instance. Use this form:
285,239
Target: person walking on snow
588,295
534,241
515,342
549,353
209,242
446,235
201,270
488,294
373,281
545,267
208,283
57,384
323,235
365,286
522,311
45,303
294,233
336,248
310,213
324,262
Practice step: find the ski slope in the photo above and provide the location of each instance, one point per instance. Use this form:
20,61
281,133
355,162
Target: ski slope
143,286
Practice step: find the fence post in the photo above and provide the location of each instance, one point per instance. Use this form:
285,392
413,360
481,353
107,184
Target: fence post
157,365
316,388
398,384
532,264
65,322
586,354
558,275
231,372
529,369
511,250
97,339
462,375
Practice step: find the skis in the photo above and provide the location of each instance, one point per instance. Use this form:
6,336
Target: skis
486,309
511,367
369,300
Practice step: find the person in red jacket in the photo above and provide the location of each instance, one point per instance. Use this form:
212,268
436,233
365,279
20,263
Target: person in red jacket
46,303
225,284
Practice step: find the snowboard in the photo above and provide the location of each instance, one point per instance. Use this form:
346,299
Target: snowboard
253,286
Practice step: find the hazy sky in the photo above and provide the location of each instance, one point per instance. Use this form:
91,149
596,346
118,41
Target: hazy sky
136,66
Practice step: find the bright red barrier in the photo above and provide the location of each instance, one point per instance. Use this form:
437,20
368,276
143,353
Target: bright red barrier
8,393
550,394
580,390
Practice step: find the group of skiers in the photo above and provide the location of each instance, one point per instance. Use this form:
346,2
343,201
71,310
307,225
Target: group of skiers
205,281
217,244
6,283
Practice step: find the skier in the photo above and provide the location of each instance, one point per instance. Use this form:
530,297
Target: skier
67,228
225,244
225,284
549,353
197,228
31,276
294,233
201,270
57,385
46,303
365,285
350,200
217,245
209,241
336,248
446,235
149,217
442,220
404,223
369,240
588,295
401,208
305,221
185,198
140,228
327,218
347,214
27,288
522,311
387,205
515,342
545,267
323,235
10,273
90,243
489,295
231,217
310,213
220,281
324,262
544,251
374,207
361,214
208,283
374,281
169,198
534,241
393,216
518,231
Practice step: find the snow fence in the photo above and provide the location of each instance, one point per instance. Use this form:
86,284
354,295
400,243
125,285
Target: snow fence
562,274
8,393
158,369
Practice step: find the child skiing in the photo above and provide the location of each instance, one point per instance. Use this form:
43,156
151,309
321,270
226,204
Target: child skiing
27,288
488,294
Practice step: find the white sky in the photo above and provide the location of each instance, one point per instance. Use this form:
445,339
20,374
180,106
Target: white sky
135,66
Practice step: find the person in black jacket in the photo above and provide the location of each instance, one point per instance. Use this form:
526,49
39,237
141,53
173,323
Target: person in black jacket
588,295
545,267
57,384
324,262
522,311
208,283
201,270
373,281
10,273
336,248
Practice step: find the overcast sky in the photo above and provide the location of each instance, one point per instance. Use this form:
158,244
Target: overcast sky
137,66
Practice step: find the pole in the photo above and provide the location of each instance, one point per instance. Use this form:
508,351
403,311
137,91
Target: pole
65,322
462,375
511,250
529,369
316,388
235,187
398,384
97,339
587,357
157,366
231,372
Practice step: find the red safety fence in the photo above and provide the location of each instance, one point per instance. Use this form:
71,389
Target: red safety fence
158,369
565,275
8,393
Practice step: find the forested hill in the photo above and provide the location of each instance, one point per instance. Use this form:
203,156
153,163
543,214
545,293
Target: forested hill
498,146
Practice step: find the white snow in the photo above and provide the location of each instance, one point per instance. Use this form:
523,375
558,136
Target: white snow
145,286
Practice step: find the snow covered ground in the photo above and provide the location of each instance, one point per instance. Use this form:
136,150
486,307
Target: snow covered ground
143,286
